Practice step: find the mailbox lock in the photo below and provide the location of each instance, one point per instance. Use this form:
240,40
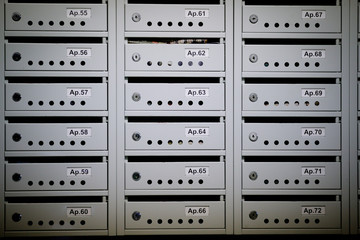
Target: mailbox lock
16,16
136,97
253,175
253,97
136,57
16,217
136,215
16,56
16,177
253,136
253,58
136,176
253,215
16,137
136,17
16,97
136,136
253,18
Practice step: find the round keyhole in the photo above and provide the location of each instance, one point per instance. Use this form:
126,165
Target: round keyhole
253,58
16,137
253,215
136,97
136,215
16,177
253,97
136,57
16,56
136,17
253,136
253,19
253,176
16,97
136,136
136,176
16,16
16,217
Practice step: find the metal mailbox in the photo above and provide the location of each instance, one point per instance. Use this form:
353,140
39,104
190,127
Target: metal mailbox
169,135
300,58
55,136
180,97
184,18
167,215
55,216
54,96
174,57
175,175
294,214
291,136
55,176
301,19
294,97
55,17
60,56
291,175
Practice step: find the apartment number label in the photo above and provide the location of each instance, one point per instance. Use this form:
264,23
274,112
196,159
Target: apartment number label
197,13
197,132
313,53
315,93
313,14
197,171
313,171
197,92
196,52
197,211
78,52
79,132
78,92
78,13
78,211
78,172
313,210
313,132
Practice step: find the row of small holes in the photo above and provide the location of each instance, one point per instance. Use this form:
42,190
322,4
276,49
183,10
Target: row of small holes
170,24
296,64
170,142
286,221
296,142
170,103
296,103
297,25
180,181
180,63
180,221
51,222
51,23
296,181
51,183
51,103
62,143
62,63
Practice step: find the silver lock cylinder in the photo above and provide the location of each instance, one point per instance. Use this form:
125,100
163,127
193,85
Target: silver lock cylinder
16,16
136,57
253,97
136,97
253,18
136,136
253,58
253,175
136,215
136,176
253,215
136,17
253,136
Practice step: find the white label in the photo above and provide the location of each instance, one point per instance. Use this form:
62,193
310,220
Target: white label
313,132
313,171
313,53
315,93
197,92
78,172
197,211
78,132
197,132
312,210
78,52
313,14
78,92
197,53
78,13
197,171
197,13
78,211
